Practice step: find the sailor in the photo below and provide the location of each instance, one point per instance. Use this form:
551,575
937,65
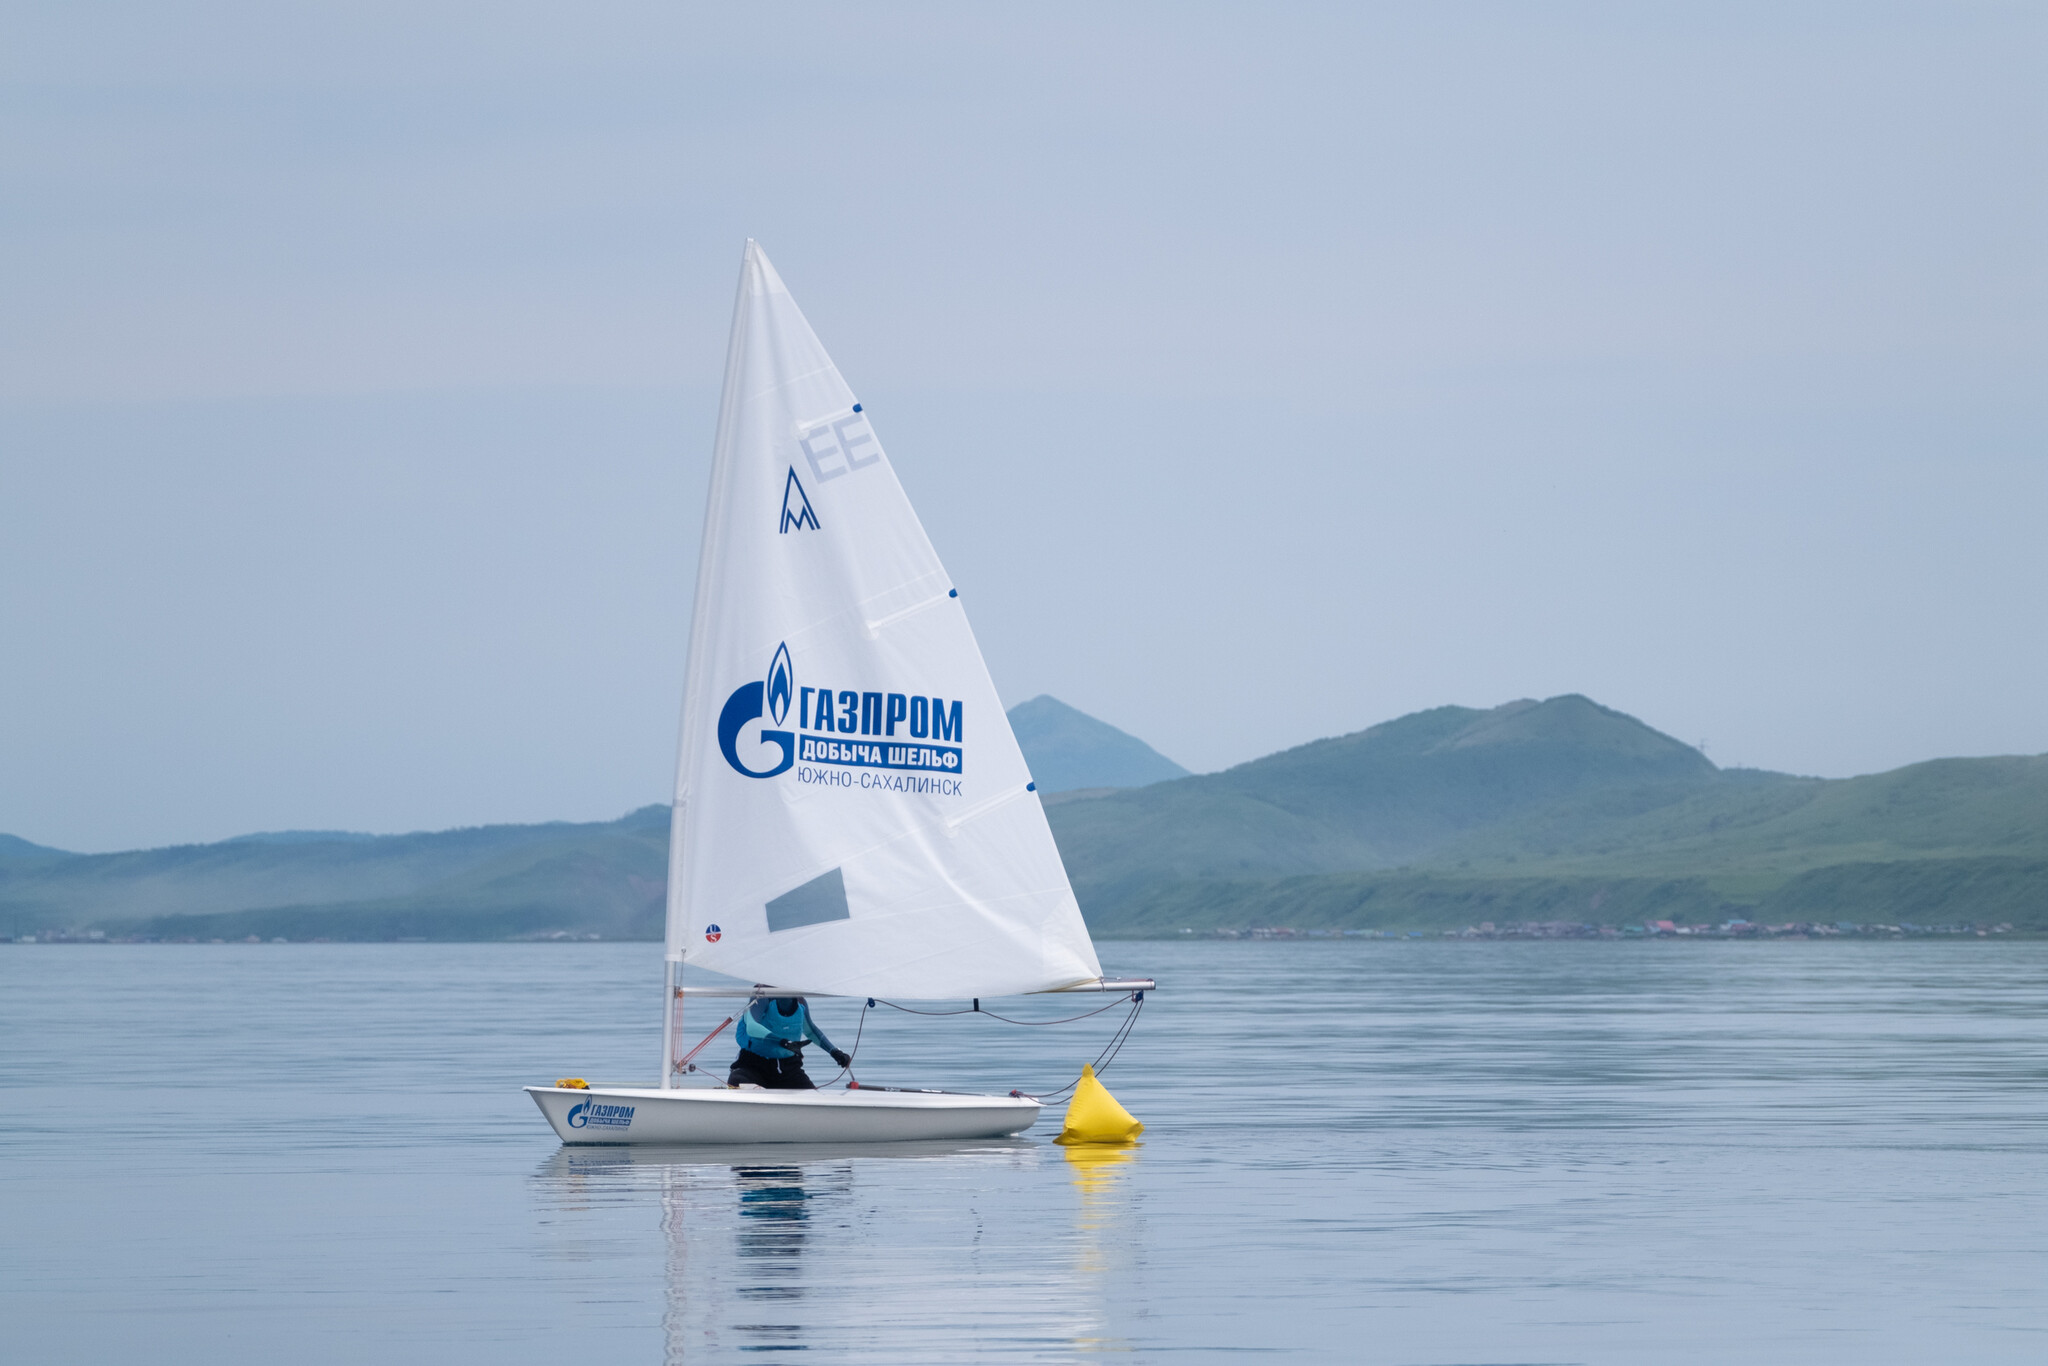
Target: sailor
772,1032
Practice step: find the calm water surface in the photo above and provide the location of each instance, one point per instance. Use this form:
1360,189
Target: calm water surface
1385,1153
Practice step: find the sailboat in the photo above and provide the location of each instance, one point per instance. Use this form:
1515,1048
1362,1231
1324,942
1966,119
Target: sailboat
852,814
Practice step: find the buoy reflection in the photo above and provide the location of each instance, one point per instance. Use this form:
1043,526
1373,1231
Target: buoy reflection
1094,1167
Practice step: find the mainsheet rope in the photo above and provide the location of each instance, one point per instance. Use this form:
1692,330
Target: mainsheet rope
977,1010
1102,1059
1109,1051
853,1052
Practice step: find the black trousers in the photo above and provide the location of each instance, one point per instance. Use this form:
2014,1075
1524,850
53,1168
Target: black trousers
777,1074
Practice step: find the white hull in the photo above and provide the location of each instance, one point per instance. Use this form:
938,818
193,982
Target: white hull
611,1114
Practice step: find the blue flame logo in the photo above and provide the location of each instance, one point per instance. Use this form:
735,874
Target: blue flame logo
749,703
781,683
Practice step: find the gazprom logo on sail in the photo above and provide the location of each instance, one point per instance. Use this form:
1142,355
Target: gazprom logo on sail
844,727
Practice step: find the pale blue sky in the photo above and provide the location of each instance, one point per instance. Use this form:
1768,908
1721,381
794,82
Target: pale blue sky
1261,374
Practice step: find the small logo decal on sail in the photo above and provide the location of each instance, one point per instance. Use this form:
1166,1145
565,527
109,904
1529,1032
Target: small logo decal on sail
711,934
796,506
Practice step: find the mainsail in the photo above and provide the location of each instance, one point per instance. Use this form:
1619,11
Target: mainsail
852,813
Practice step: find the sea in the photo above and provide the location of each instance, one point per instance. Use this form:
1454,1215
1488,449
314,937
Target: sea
1413,1153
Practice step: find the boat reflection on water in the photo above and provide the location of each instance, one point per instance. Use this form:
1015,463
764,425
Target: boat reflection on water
767,1275
773,1197
886,1252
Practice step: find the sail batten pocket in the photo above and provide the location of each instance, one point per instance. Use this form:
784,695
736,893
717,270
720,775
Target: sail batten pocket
983,808
875,627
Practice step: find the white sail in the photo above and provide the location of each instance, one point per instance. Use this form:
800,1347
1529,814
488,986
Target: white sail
852,813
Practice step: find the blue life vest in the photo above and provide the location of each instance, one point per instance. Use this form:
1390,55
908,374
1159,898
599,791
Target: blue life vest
763,1027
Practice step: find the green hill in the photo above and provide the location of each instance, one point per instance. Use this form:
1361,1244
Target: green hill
1533,810
1548,811
1400,793
1068,749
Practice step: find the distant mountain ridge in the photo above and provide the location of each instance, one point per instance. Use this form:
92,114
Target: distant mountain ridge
1389,795
1069,749
14,849
1526,802
489,882
1554,810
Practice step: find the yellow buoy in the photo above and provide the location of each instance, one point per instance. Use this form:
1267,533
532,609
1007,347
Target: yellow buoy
572,1084
1095,1117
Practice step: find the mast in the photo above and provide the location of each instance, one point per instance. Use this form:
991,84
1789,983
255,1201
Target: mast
693,677
671,1008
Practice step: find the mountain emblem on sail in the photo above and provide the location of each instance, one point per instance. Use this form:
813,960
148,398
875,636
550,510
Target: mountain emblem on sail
796,506
750,702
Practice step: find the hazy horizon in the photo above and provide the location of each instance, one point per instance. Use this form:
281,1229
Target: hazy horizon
655,801
1260,376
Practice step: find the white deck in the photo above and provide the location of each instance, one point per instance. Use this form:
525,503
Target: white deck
612,1115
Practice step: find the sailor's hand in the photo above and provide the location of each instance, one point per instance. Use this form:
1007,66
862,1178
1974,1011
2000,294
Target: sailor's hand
842,1057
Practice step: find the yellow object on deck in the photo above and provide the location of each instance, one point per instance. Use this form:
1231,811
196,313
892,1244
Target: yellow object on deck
571,1084
1094,1116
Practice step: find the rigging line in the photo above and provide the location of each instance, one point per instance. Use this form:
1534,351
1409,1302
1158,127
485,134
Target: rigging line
1068,1020
1102,1059
682,1062
1006,1019
1106,1056
1123,1036
1116,1042
854,1051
